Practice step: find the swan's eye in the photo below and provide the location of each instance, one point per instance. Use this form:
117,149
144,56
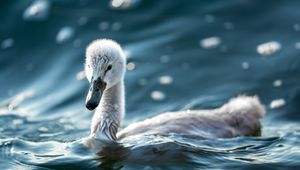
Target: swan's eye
108,68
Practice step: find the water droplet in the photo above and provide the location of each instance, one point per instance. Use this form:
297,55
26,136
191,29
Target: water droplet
64,34
142,82
7,43
123,4
165,80
83,20
245,65
158,95
103,26
228,26
116,26
268,48
297,45
130,66
277,83
275,104
38,10
209,18
164,59
116,3
296,27
210,42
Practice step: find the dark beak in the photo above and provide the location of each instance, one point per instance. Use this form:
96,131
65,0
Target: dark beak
95,93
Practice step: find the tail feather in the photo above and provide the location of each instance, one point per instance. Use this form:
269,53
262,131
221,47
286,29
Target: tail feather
245,105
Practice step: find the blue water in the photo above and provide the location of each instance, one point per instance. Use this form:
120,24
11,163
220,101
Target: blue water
42,112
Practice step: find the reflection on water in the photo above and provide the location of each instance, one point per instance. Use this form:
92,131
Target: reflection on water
180,56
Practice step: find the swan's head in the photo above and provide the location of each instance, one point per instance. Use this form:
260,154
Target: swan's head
105,67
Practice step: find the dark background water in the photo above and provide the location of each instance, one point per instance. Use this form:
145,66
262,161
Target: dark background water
42,102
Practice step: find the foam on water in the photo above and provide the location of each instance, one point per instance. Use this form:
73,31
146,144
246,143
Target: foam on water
277,103
297,45
130,66
7,43
165,80
64,34
38,10
268,48
245,65
210,42
158,95
277,83
123,4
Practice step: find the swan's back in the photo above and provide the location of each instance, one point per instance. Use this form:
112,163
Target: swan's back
239,117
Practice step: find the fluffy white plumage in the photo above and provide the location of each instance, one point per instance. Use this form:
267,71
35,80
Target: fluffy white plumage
239,117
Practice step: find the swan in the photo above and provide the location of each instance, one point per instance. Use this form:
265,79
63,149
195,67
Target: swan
105,68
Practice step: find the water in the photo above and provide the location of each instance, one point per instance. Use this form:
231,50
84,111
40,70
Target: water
42,113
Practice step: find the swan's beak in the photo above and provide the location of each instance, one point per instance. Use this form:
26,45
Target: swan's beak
95,93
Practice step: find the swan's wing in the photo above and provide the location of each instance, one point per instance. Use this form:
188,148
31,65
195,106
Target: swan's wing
239,117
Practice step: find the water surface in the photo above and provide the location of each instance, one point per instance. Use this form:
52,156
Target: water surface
42,112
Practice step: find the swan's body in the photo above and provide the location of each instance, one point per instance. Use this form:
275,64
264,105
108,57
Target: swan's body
105,69
239,117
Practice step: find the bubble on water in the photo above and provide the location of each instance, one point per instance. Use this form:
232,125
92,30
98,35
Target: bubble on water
64,34
297,45
268,48
164,59
130,66
83,20
278,103
77,43
245,65
209,18
158,95
228,26
116,26
123,4
7,43
210,42
142,82
296,27
277,83
81,75
165,80
104,25
38,10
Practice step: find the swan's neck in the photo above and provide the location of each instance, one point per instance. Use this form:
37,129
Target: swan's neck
109,113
